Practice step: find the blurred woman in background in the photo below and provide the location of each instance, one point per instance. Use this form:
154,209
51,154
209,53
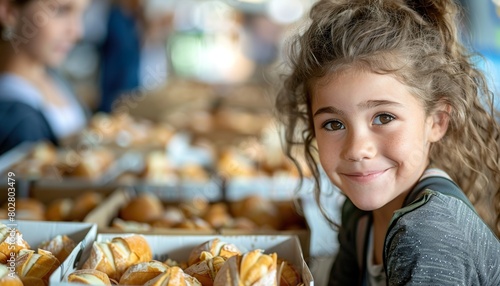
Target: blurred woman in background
35,103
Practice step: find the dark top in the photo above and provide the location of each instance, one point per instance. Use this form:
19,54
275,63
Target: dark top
437,238
19,123
119,55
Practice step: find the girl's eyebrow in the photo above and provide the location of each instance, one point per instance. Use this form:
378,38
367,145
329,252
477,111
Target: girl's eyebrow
363,105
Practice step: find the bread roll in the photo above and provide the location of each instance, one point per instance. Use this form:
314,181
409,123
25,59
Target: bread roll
37,265
259,210
60,246
59,210
10,238
33,281
218,215
215,247
174,276
144,208
89,277
29,209
114,257
195,207
85,203
206,270
140,273
7,278
252,268
171,216
129,250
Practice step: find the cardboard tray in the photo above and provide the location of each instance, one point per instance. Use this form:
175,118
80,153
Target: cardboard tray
178,248
36,232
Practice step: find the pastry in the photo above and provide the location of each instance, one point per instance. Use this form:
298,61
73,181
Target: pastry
144,208
8,278
11,242
89,277
174,276
61,246
252,268
206,270
114,257
140,273
215,247
37,265
59,210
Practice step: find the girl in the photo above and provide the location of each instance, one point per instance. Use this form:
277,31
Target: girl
399,118
35,104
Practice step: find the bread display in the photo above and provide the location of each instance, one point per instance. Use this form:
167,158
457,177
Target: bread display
89,277
147,213
251,268
114,257
211,263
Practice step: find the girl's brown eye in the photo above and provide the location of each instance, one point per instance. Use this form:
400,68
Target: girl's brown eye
383,119
333,125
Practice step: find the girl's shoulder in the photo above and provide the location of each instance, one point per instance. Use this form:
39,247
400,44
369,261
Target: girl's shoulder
440,235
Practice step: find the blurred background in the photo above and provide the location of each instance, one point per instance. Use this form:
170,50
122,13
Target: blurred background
217,42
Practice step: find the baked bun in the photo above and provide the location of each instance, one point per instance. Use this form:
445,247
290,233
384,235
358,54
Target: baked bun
174,276
288,274
218,215
89,277
145,207
140,273
195,207
114,257
215,247
252,268
206,270
37,265
29,209
59,210
84,203
194,223
60,246
259,210
7,241
7,278
93,164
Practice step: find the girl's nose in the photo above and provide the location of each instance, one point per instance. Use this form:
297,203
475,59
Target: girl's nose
358,147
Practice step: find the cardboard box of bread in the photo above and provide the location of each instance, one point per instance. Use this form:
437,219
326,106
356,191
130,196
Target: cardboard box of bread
126,211
135,259
32,252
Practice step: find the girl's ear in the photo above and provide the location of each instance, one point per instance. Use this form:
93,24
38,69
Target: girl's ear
440,120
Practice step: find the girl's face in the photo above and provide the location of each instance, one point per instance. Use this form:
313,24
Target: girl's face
373,136
47,30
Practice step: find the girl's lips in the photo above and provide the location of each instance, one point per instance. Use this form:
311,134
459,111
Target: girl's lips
364,177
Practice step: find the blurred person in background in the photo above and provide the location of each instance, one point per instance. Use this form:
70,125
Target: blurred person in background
133,55
35,102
